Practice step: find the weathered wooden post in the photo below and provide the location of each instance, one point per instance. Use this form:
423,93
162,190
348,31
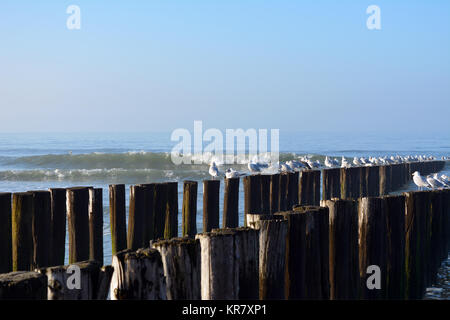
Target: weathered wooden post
372,181
343,249
435,233
272,256
94,281
274,193
58,226
117,217
171,224
331,183
383,180
445,223
309,187
136,218
219,265
211,192
372,248
181,263
78,221
22,240
252,195
395,269
292,189
265,193
295,279
23,286
317,256
190,209
351,182
415,229
96,224
138,275
247,241
5,233
160,209
149,217
41,228
283,192
230,218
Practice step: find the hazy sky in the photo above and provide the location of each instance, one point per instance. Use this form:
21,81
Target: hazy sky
160,65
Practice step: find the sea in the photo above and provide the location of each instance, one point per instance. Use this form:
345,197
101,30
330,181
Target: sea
34,161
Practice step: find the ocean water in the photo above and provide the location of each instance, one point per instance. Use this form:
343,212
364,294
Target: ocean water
33,161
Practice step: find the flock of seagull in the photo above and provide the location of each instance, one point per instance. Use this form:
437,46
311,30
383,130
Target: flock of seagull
433,181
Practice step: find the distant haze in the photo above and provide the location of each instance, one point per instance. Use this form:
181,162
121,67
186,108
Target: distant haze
159,65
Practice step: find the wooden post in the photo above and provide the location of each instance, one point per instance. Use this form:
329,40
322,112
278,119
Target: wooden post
160,209
314,254
41,228
343,249
211,189
171,224
148,232
309,187
23,286
331,183
395,268
58,226
252,195
265,193
93,281
190,209
78,221
292,189
274,193
372,247
219,265
22,240
272,257
371,181
445,224
136,218
5,233
247,241
96,225
117,217
230,217
181,262
138,275
295,276
283,192
434,232
415,228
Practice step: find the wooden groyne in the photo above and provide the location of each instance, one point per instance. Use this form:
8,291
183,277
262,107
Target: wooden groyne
354,242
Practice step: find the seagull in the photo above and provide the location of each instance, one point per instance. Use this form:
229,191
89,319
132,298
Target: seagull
435,184
356,161
420,181
231,173
443,181
344,163
285,168
253,167
328,163
213,171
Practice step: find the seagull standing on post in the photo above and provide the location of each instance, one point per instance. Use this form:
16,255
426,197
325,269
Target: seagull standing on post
213,171
420,181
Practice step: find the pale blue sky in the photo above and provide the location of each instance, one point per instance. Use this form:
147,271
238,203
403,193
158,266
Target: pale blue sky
160,65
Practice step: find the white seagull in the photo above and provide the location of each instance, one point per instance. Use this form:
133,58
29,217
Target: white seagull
253,167
434,183
213,171
231,173
419,180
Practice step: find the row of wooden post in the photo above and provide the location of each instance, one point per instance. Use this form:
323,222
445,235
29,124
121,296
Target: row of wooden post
38,218
309,252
